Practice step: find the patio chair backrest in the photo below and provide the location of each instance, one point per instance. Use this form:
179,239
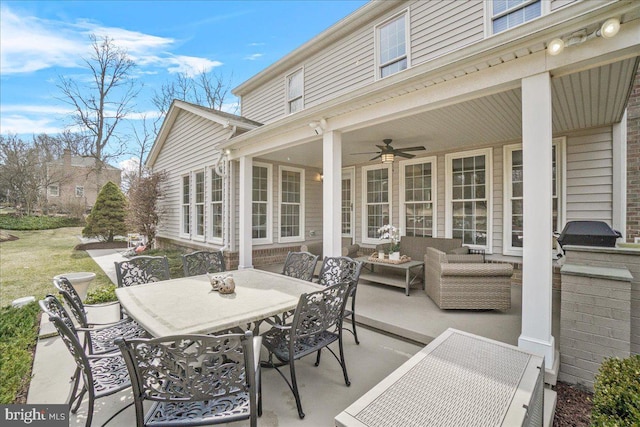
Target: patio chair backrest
142,269
73,300
318,312
300,265
215,370
336,270
52,307
202,262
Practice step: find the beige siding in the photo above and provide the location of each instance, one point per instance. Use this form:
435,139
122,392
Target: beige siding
557,4
441,27
190,146
266,103
589,175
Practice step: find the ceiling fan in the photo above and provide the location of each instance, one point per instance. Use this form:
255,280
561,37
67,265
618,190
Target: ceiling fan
387,153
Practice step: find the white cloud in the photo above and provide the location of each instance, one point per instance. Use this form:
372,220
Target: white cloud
129,165
23,125
190,65
254,56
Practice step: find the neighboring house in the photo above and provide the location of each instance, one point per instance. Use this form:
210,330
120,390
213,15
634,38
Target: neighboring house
74,184
520,136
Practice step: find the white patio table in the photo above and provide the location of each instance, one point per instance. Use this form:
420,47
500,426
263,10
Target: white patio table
189,306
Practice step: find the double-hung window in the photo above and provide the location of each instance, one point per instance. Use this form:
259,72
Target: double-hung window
185,227
261,203
199,204
295,91
469,189
79,191
216,206
513,202
53,190
392,50
376,181
418,181
291,204
507,14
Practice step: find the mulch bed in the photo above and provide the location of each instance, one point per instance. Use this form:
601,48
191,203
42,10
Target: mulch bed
101,245
573,407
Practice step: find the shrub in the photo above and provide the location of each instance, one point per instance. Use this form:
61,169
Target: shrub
18,334
102,294
11,222
616,401
107,216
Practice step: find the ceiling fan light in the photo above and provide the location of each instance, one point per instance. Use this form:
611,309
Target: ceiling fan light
387,157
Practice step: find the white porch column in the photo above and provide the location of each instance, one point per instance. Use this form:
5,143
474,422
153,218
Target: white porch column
537,268
331,194
619,220
245,221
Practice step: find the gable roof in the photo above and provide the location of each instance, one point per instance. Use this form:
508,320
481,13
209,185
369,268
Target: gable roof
222,118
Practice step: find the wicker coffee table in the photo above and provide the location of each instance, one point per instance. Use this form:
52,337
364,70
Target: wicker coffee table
414,271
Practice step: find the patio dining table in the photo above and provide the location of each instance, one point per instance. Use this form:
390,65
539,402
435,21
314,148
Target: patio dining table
189,305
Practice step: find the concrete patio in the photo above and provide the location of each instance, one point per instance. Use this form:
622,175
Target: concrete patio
393,328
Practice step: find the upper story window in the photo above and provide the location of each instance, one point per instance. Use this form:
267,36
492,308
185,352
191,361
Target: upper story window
79,191
295,91
510,13
53,190
392,49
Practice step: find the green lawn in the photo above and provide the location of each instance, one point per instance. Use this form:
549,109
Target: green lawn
27,265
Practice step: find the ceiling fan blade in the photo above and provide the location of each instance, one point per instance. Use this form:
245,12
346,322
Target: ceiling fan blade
376,157
364,152
405,155
411,149
382,147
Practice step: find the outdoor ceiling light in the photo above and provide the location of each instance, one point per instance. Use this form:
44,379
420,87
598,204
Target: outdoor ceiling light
610,28
555,46
387,157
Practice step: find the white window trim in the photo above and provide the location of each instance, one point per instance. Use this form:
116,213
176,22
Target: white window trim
194,206
299,237
286,91
182,205
269,239
350,172
561,182
448,221
376,41
209,202
434,174
51,193
545,9
365,169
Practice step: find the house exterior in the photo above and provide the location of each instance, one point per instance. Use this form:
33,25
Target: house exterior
521,108
74,184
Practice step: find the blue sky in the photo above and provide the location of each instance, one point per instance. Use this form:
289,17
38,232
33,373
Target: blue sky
42,40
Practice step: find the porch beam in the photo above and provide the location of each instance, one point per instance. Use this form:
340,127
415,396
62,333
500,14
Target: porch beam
537,266
331,194
245,221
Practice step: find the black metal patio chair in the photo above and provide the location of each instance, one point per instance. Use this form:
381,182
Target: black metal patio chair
338,270
194,379
300,265
202,262
316,324
98,337
102,374
142,269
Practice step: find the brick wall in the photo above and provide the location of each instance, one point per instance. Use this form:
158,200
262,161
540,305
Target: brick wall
633,162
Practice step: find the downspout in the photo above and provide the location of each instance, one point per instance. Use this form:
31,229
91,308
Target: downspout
222,169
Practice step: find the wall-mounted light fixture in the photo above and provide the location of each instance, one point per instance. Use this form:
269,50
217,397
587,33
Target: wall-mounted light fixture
318,127
607,30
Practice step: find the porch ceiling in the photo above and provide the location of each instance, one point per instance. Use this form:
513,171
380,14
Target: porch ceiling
585,99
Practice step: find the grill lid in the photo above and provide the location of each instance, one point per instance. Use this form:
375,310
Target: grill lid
588,233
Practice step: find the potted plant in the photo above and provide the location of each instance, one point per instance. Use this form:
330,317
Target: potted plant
391,233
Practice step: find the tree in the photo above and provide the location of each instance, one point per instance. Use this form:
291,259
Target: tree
107,218
103,104
143,212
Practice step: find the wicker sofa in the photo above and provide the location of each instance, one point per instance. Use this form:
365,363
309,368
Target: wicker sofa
465,282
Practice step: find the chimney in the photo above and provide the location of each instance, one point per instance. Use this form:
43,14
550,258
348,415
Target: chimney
66,157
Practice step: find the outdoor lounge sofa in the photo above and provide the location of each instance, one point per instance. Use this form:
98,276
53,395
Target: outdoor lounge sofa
315,248
465,282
